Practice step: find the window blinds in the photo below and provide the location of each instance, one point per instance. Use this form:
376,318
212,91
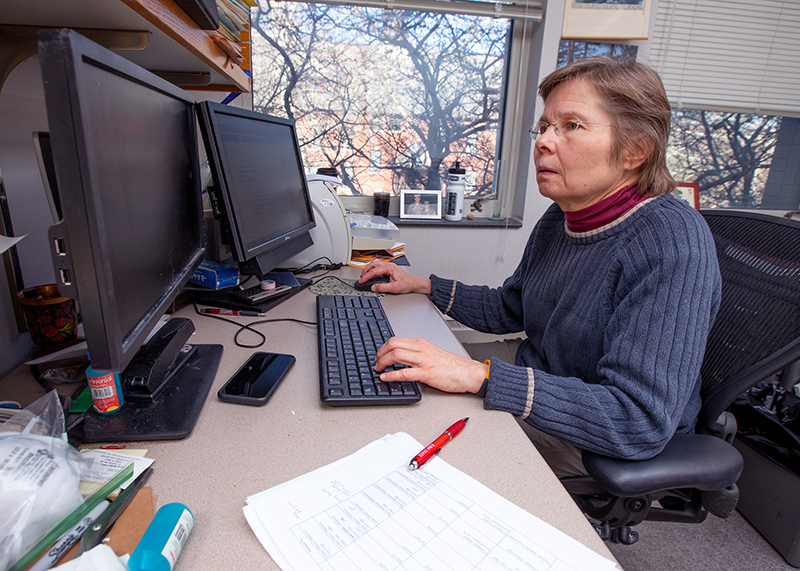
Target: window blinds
729,55
520,9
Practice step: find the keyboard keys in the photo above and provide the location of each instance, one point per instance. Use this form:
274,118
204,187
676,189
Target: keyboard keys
351,329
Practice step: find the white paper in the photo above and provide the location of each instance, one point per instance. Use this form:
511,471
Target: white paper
71,352
108,463
6,242
98,558
368,511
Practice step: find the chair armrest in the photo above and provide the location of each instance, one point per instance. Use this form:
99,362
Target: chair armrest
687,461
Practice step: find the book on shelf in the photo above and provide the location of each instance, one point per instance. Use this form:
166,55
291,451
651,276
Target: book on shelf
203,12
234,27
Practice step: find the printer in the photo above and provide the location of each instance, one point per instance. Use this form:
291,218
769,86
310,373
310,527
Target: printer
331,235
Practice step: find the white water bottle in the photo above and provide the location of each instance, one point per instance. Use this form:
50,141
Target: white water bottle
454,199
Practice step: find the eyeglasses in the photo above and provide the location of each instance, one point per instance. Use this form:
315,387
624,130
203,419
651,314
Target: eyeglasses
564,128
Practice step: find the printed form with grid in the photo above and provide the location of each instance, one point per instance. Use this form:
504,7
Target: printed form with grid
351,329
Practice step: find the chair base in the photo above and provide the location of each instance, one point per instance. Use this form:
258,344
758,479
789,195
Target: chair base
624,535
613,517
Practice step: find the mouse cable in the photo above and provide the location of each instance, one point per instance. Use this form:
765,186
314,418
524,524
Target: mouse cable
249,327
309,268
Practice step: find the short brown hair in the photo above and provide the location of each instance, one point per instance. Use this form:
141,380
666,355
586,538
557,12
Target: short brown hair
634,98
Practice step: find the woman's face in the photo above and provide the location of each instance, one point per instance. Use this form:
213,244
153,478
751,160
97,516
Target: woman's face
575,168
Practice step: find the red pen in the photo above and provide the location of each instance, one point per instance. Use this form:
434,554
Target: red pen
214,311
434,447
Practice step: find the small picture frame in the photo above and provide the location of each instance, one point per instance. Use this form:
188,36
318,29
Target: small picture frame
423,204
688,192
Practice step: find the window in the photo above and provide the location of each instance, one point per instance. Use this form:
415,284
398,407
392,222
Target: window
729,155
390,98
729,68
729,55
573,50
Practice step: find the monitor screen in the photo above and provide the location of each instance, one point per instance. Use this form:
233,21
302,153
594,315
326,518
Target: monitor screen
124,146
260,189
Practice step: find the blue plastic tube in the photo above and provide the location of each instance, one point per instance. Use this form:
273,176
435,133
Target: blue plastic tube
161,544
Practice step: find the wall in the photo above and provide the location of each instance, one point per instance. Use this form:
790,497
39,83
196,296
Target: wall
22,112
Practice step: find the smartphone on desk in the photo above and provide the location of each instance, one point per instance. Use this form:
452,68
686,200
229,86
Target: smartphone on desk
256,380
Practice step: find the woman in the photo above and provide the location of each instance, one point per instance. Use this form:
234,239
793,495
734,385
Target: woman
616,291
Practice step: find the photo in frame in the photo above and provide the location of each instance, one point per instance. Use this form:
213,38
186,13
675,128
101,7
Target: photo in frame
606,19
688,192
422,204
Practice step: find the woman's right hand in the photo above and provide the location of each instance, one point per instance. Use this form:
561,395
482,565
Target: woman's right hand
400,279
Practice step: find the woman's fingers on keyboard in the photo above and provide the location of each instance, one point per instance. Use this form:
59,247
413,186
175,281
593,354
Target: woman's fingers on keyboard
429,364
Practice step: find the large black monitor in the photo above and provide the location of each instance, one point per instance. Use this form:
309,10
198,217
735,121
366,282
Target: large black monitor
260,190
124,145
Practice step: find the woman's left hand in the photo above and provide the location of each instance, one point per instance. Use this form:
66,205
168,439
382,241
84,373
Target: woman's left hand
429,364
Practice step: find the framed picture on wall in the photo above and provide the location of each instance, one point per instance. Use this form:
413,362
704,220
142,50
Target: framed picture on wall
424,204
689,192
606,19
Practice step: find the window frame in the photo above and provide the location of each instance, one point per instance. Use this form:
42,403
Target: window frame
517,10
511,170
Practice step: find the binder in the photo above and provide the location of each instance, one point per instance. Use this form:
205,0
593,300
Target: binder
203,12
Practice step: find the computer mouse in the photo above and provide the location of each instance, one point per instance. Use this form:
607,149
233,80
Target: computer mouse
367,285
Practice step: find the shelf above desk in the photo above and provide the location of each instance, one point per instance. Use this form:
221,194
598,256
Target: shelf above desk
175,43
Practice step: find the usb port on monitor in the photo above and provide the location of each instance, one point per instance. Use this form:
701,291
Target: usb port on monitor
64,275
58,244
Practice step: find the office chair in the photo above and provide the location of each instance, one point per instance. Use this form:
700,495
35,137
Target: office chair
755,335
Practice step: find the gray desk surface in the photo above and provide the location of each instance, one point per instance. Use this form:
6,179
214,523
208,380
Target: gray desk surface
235,450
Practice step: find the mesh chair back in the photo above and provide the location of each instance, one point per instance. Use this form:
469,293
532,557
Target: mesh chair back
757,329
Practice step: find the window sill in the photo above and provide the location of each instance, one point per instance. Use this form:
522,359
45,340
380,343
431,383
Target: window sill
477,222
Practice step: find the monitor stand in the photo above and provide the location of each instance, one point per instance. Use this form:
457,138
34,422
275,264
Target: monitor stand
166,406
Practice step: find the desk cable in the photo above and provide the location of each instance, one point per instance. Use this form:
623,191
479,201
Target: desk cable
249,327
309,268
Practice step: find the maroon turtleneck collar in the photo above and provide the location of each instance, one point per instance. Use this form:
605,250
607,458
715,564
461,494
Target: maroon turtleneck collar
605,211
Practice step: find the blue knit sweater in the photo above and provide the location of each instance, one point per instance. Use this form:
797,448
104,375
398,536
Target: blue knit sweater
616,322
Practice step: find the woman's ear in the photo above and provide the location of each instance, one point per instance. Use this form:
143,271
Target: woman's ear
637,153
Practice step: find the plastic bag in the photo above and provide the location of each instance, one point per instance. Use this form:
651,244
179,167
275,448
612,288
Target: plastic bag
768,419
39,477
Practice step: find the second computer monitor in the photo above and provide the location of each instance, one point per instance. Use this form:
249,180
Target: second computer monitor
259,189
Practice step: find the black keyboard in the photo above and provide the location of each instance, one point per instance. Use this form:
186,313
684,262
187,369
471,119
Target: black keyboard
351,329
